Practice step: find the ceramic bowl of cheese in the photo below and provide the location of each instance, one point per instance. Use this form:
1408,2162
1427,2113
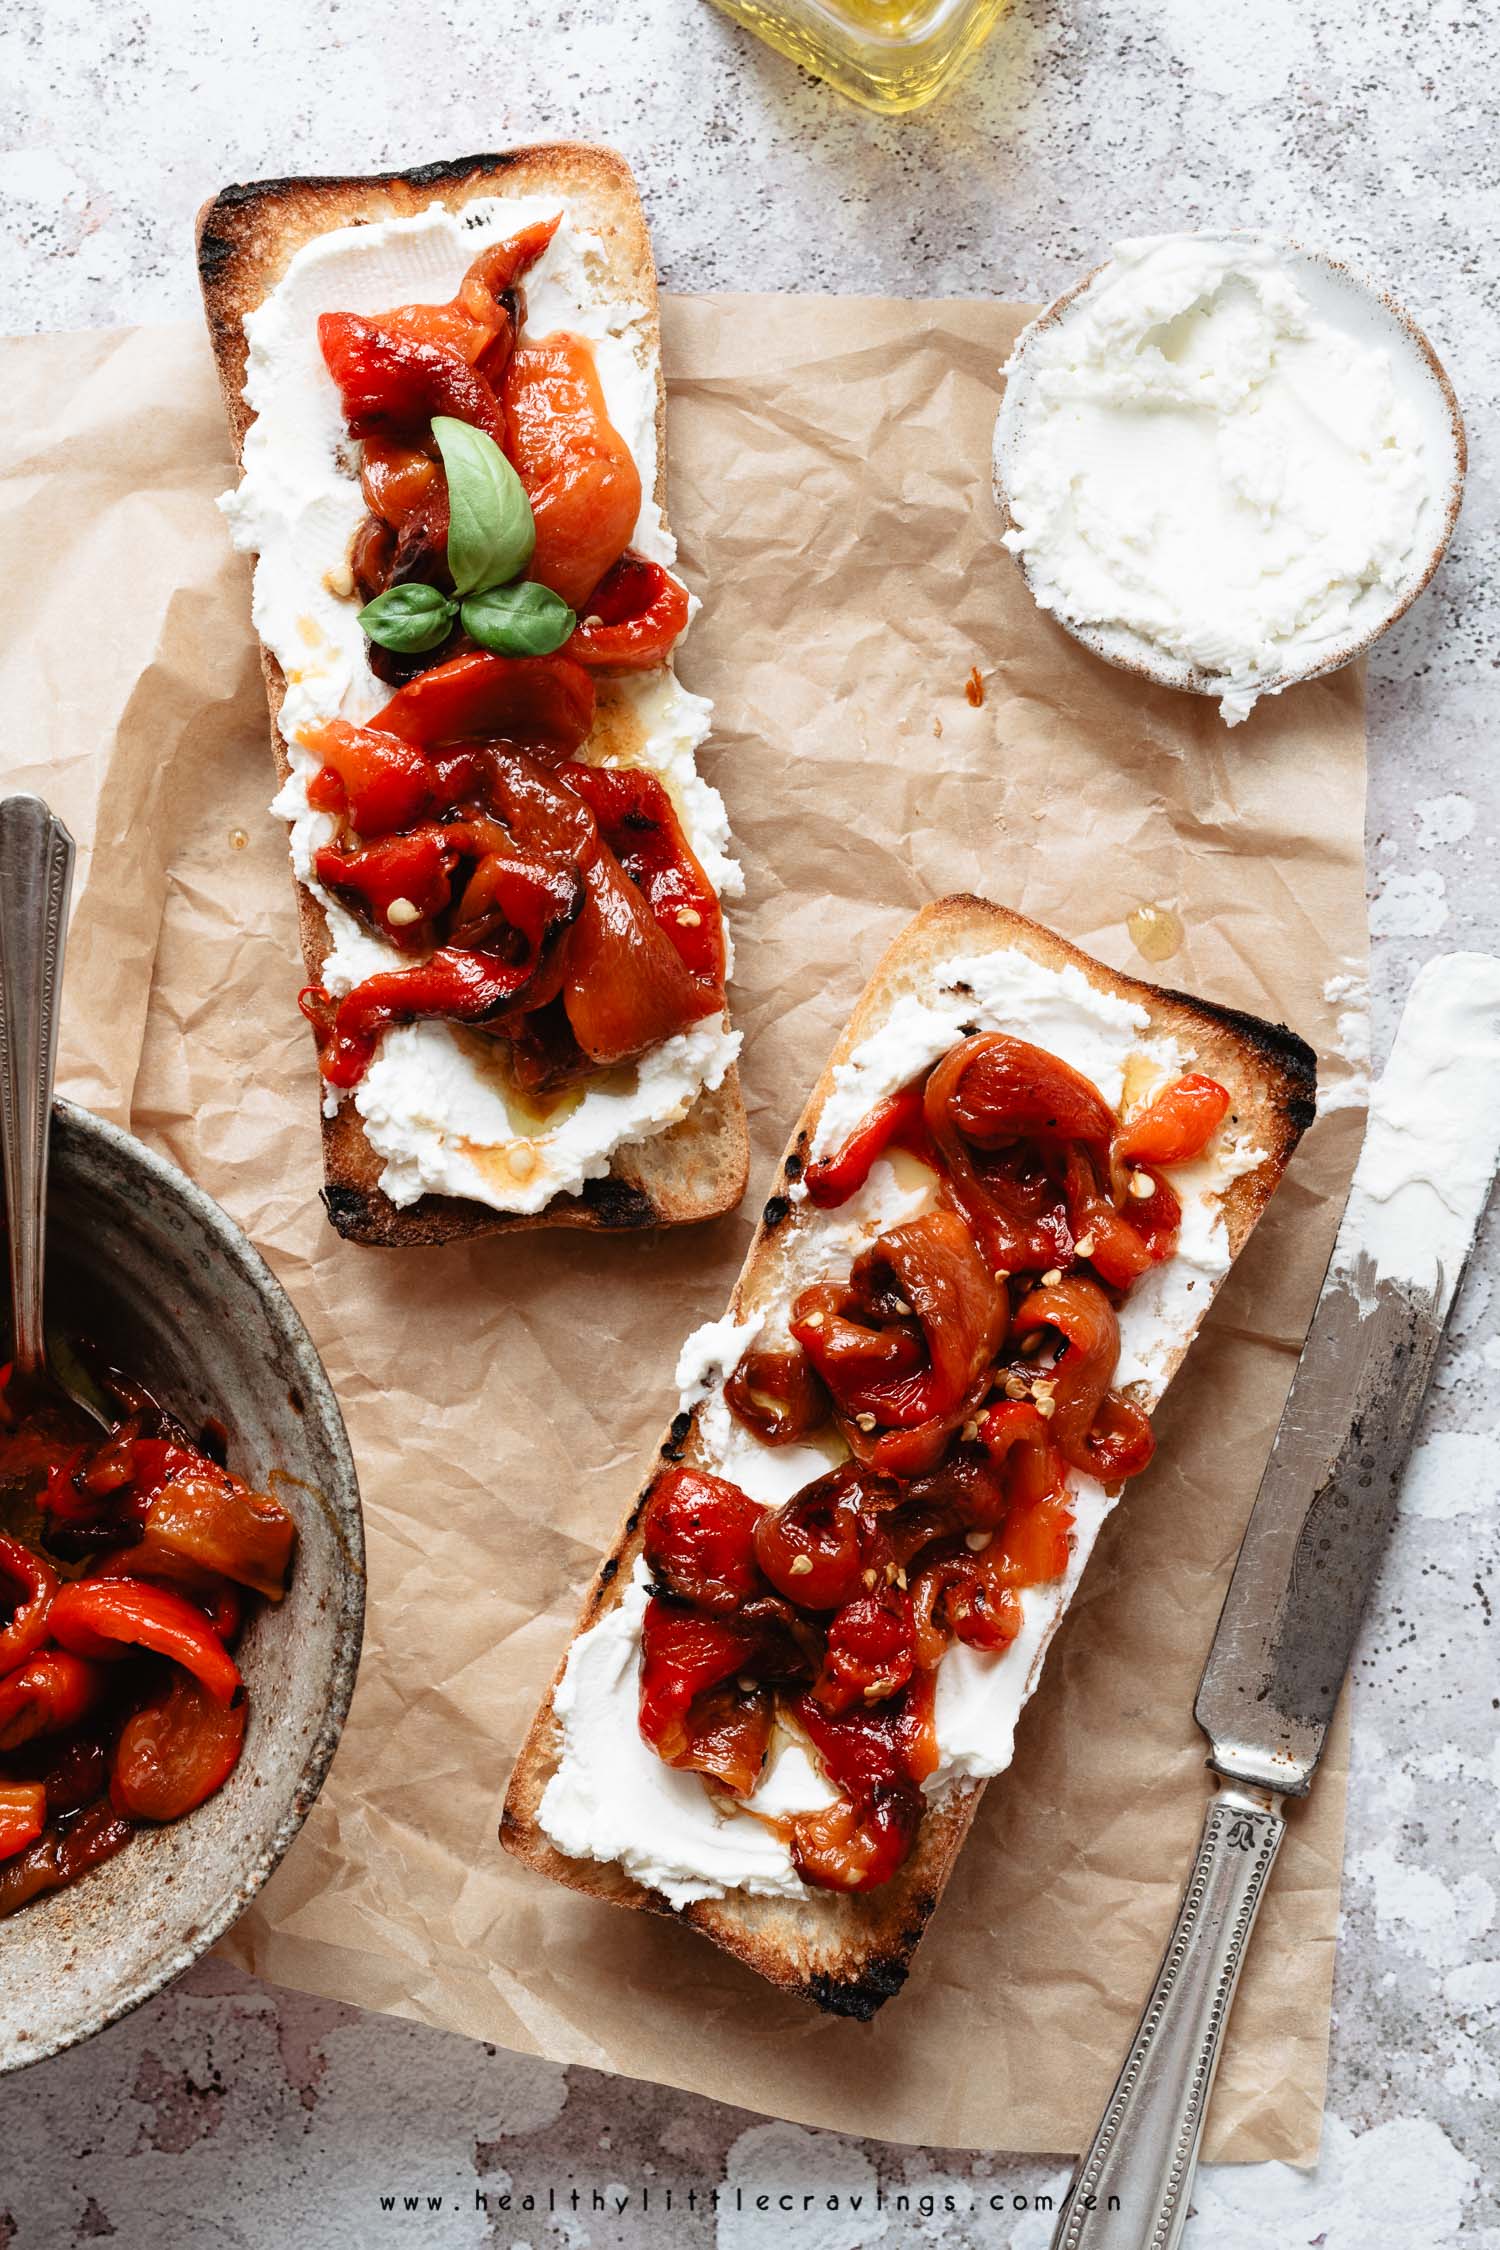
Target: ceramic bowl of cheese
1226,463
148,1268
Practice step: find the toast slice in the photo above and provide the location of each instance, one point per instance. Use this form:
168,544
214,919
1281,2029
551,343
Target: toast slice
850,1952
247,237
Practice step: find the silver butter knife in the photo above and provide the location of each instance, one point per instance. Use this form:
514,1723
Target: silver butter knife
1309,1556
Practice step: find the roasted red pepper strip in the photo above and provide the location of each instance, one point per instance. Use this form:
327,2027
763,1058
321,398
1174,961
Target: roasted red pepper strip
1019,1104
63,1499
699,1540
224,1607
966,1489
23,1815
154,1463
1001,1090
397,481
455,986
969,1591
626,987
371,773
36,1581
392,385
48,1693
97,1497
507,893
213,1522
112,1463
499,270
816,1547
871,1650
631,619
1118,1253
1080,1312
638,823
833,1179
579,474
907,1341
1016,1422
1120,1245
1178,1125
479,322
541,703
77,1773
94,1617
1156,1218
407,872
859,1843
728,1733
1034,1545
777,1395
963,1595
684,1655
60,1855
175,1752
1092,1427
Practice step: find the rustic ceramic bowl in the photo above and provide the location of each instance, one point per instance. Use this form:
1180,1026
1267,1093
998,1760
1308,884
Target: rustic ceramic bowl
1350,302
141,1259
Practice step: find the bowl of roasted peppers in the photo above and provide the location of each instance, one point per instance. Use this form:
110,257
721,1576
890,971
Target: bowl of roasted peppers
181,1592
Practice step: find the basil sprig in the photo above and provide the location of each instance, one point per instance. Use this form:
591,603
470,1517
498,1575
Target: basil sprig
409,619
521,620
491,539
491,534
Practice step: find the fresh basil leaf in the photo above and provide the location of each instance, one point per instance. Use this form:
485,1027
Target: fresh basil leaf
522,620
490,531
409,618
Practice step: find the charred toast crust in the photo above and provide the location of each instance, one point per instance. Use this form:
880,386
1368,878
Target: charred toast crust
850,1954
247,236
1278,1047
356,1215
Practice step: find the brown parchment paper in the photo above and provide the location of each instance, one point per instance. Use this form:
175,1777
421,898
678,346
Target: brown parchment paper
830,482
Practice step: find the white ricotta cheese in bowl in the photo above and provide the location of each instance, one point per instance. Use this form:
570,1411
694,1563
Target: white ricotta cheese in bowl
1226,462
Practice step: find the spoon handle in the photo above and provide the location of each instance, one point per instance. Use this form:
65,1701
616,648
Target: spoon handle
36,878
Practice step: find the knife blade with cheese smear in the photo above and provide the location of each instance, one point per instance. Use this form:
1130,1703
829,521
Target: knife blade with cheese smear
1309,1557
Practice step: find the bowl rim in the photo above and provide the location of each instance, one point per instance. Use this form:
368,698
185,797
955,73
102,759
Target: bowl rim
1172,672
349,1610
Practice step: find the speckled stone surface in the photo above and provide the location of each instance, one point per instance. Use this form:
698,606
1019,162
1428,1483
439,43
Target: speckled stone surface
228,2114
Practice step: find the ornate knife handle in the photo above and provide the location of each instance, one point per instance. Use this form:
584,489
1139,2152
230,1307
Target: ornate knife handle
36,877
1130,2191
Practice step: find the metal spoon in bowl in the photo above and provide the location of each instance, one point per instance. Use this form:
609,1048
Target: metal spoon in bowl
36,879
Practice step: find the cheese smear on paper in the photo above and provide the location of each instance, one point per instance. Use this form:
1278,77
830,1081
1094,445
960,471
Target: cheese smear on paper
435,1106
611,1797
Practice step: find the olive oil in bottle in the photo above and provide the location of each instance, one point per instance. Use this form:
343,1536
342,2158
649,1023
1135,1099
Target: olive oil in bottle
889,54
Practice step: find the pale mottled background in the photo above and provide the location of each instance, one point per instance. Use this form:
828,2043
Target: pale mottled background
228,2114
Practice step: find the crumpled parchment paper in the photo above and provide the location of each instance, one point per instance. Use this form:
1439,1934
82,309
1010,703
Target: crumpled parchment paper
830,484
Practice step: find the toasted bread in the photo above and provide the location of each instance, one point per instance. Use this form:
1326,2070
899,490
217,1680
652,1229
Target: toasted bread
850,1953
247,237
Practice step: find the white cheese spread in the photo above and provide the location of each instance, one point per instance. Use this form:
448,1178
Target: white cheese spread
434,1103
980,1696
612,1798
1236,473
1433,1139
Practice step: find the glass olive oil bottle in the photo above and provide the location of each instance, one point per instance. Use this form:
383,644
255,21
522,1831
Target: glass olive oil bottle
889,54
